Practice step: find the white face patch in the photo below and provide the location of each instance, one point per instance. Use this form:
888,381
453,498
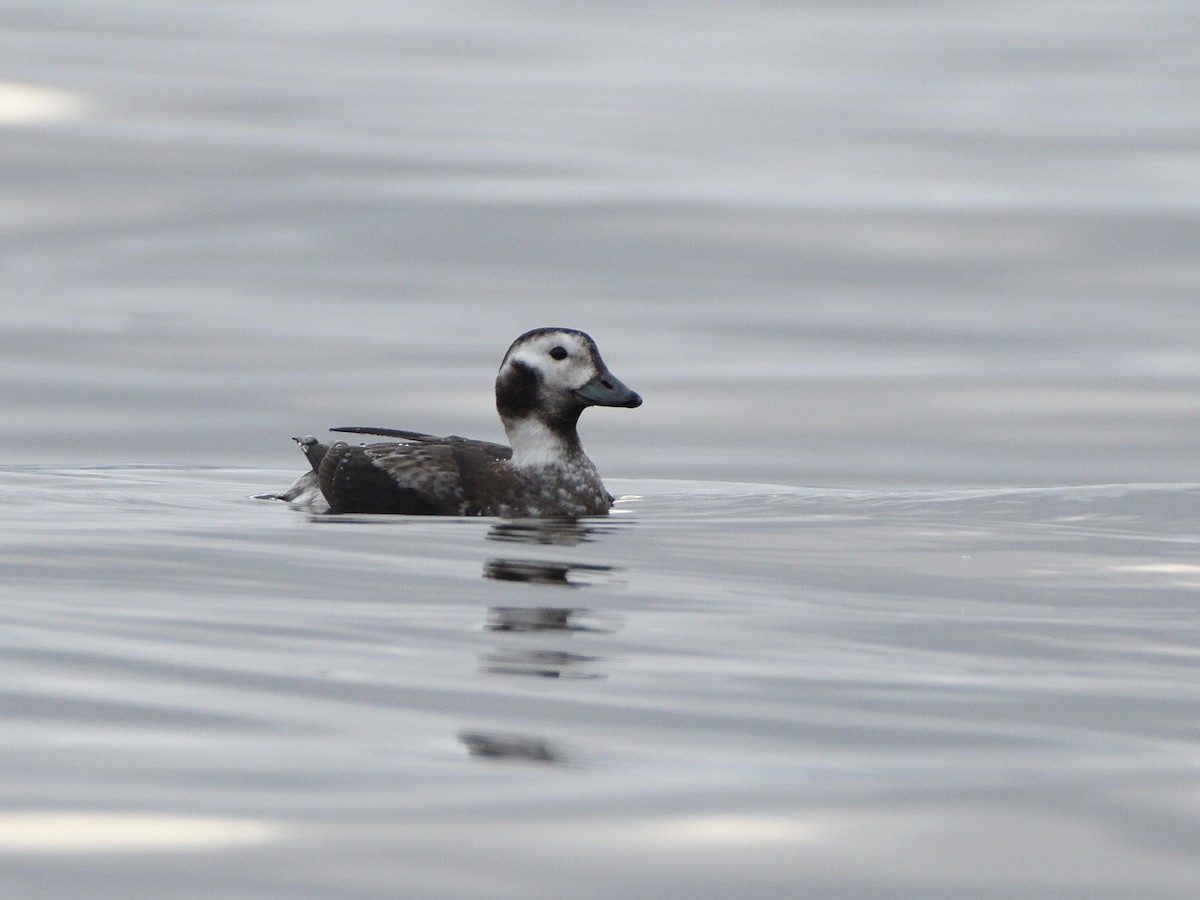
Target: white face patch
539,353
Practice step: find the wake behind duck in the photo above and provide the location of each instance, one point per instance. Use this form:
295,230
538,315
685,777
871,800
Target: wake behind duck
549,376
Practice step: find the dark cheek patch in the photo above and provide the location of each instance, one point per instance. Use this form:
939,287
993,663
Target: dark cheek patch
516,391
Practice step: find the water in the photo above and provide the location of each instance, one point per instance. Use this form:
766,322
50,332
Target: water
900,597
872,693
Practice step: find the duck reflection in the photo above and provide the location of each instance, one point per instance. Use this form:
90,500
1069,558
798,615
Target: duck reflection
540,664
509,746
538,628
559,532
534,619
540,571
527,635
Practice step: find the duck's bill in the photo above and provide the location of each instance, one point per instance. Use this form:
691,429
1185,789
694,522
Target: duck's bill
607,390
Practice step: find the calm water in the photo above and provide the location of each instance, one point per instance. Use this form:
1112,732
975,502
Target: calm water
719,690
901,597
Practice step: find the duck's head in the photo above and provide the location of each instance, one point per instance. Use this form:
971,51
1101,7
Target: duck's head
550,376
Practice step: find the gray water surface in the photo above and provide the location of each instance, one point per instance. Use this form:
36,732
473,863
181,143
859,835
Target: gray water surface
719,690
918,244
900,601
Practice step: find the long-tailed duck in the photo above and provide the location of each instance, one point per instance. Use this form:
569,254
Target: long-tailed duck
549,376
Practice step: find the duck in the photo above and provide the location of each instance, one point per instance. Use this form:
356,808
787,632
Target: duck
547,378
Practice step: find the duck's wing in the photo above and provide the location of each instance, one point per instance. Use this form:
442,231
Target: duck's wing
423,474
495,451
411,479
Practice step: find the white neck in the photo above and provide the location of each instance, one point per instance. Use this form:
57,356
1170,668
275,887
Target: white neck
534,445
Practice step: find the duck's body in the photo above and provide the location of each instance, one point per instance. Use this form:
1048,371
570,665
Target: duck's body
548,377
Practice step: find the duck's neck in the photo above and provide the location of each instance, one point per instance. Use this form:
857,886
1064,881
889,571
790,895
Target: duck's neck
537,445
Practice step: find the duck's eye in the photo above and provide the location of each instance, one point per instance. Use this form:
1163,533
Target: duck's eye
559,353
